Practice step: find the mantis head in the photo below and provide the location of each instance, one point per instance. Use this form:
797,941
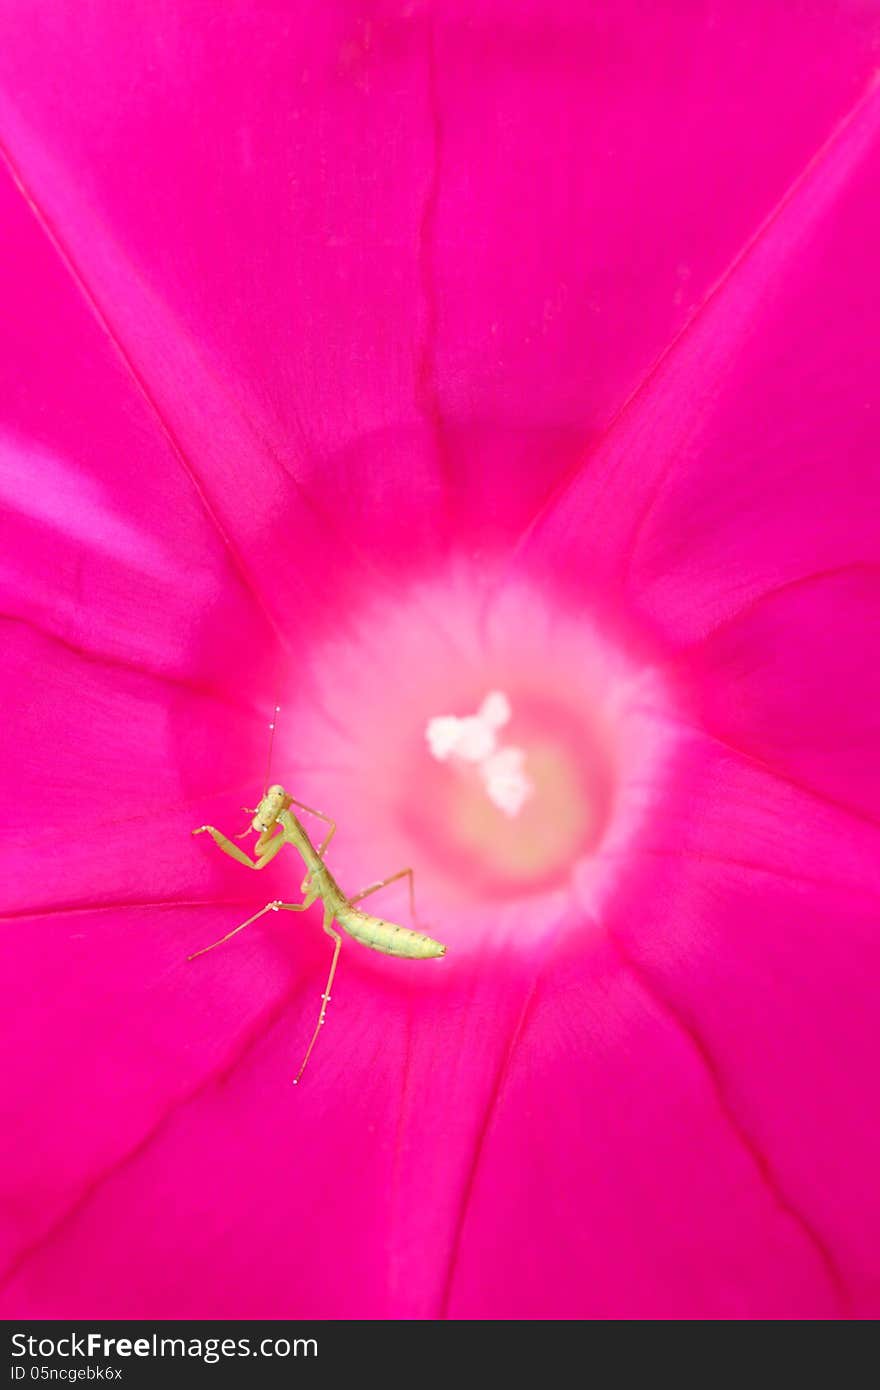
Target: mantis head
266,814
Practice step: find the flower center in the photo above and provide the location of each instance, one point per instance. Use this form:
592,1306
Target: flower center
474,741
497,755
514,814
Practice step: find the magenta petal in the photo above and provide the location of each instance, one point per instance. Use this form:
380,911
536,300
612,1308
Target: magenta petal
749,913
747,459
103,745
610,1180
598,170
794,680
103,538
367,1168
107,1020
326,336
469,229
128,763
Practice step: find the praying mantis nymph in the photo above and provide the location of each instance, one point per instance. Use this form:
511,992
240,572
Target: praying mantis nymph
276,826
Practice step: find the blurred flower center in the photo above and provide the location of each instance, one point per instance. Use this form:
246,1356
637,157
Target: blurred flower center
515,813
472,742
496,751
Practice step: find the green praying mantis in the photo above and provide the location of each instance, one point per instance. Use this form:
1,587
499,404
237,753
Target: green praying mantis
276,825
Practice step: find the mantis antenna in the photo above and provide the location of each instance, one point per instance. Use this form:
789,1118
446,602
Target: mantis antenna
271,746
252,809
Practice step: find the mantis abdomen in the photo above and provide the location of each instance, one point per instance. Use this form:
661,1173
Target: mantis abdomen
387,936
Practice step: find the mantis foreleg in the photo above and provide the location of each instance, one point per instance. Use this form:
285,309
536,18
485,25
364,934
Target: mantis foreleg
304,886
266,851
320,814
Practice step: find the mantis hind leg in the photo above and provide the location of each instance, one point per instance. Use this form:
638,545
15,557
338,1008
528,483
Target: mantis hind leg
384,882
325,997
275,906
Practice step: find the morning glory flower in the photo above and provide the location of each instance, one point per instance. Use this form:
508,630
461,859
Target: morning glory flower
375,361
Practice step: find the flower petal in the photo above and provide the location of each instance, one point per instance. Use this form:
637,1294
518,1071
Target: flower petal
384,230
794,680
361,1168
746,460
599,168
105,771
104,541
749,912
612,1182
107,1018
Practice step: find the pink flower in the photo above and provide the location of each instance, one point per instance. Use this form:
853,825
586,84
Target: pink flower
379,359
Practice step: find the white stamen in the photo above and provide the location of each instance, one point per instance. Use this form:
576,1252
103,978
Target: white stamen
507,784
471,738
474,739
495,709
442,736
